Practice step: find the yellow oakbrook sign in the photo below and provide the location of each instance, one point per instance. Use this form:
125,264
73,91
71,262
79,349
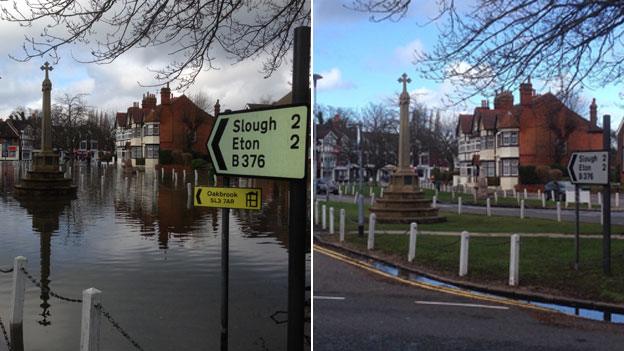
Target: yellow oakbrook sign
243,198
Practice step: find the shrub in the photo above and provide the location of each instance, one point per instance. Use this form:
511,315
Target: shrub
493,181
555,174
543,173
186,158
199,163
165,157
527,175
177,157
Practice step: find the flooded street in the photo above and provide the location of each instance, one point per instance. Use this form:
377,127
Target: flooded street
156,259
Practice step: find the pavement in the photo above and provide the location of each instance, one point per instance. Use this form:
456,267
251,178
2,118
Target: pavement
568,215
358,309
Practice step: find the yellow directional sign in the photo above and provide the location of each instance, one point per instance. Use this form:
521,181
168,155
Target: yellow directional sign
245,198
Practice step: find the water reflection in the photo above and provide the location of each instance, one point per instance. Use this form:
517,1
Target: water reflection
157,262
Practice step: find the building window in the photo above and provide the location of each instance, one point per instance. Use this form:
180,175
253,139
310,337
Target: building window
136,132
151,130
151,151
488,141
508,139
509,167
136,152
488,168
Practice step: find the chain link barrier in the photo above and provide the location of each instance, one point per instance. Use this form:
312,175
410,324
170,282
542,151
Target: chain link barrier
8,270
491,243
118,327
5,334
47,290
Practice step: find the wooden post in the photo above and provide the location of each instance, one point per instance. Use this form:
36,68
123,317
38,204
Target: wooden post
371,231
189,190
495,197
459,204
589,203
90,327
324,217
514,260
617,200
342,224
525,193
543,201
522,209
463,253
434,203
381,192
316,212
488,210
331,220
184,176
558,211
412,242
372,200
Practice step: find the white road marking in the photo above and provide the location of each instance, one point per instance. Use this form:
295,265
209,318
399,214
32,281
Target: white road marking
461,304
329,297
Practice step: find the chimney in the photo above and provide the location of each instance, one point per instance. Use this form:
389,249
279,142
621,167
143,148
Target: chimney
165,95
485,104
526,93
217,108
503,100
593,113
149,101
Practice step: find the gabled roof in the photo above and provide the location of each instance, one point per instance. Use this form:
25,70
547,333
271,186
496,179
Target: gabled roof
6,131
465,124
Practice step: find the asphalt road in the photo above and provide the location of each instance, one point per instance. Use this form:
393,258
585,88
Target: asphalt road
617,217
358,310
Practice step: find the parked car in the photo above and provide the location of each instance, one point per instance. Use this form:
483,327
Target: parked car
559,187
323,186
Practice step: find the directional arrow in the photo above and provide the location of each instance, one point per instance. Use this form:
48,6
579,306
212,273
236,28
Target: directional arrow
571,168
215,144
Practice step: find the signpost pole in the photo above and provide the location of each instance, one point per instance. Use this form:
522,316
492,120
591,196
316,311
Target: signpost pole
576,237
606,200
297,228
225,269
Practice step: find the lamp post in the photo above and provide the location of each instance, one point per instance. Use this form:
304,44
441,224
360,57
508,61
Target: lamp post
360,201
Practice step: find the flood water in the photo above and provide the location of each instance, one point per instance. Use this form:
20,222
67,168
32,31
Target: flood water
156,261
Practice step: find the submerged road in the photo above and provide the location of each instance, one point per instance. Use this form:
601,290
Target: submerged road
355,309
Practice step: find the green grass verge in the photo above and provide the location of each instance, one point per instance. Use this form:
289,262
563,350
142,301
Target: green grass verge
474,223
546,264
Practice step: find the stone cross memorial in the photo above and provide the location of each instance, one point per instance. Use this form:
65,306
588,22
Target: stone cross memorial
403,200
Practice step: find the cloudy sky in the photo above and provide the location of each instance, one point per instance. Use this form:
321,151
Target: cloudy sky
113,87
361,60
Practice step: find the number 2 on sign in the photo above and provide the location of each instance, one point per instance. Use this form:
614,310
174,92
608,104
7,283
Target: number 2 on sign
296,119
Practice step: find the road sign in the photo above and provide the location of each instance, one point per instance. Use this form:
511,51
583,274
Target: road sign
244,198
261,143
589,167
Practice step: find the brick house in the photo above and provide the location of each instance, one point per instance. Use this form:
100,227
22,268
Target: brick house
176,125
540,130
16,140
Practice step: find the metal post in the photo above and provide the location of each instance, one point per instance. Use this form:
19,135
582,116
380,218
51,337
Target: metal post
606,215
360,202
225,270
558,211
316,212
577,232
297,212
342,224
90,324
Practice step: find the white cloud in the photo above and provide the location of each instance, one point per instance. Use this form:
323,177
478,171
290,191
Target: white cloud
407,53
332,80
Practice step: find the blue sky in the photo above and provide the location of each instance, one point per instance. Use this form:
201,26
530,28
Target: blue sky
361,60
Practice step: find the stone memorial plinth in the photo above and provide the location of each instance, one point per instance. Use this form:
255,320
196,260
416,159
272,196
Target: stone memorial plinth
45,179
403,200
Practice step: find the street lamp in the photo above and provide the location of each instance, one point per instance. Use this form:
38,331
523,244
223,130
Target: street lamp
360,200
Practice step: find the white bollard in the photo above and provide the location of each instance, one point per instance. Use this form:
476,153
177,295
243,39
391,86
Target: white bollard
514,260
371,231
342,224
601,216
522,209
355,198
463,253
539,193
505,193
91,317
184,176
488,210
452,194
434,202
412,242
617,200
525,193
495,197
599,198
19,286
324,217
459,204
381,192
558,211
196,177
331,220
552,195
474,196
543,201
372,201
316,212
162,173
189,190
370,191
589,203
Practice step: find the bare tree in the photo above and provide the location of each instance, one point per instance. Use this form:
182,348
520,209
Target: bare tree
203,101
69,115
497,43
193,32
381,137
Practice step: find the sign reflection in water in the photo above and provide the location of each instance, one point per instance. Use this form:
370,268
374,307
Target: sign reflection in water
156,262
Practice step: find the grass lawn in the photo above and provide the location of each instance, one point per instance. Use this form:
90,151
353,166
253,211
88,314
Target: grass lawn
546,264
472,223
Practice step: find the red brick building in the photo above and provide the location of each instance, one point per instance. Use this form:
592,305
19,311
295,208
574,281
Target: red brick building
540,130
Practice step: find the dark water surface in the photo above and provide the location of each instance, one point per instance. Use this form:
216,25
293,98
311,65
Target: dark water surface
156,261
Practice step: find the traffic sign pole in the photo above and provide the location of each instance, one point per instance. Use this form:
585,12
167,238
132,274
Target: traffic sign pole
225,270
577,243
297,216
606,200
